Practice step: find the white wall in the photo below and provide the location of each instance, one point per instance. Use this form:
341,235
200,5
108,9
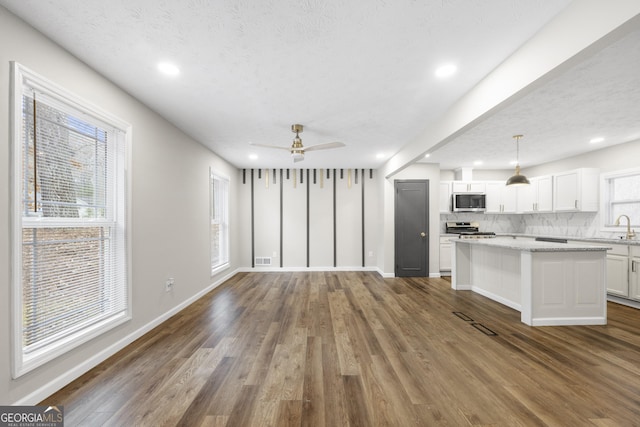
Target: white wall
350,202
321,216
608,159
169,228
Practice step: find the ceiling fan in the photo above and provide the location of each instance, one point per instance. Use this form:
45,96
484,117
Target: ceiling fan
297,150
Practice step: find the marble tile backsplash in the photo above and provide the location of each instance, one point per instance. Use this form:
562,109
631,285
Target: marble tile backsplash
569,224
561,224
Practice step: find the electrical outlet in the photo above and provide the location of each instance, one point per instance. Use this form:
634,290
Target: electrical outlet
169,284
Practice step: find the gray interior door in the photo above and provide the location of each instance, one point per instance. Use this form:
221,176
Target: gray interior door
411,228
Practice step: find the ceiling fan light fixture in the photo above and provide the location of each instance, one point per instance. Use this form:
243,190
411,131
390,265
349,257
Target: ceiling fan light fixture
297,155
297,150
517,178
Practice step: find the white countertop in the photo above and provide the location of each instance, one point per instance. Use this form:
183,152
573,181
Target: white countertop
603,240
531,245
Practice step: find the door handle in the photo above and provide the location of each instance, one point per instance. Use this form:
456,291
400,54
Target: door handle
423,234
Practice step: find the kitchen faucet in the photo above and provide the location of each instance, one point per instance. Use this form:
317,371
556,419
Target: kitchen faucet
630,233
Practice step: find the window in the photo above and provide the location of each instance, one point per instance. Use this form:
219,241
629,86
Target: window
219,215
70,279
621,196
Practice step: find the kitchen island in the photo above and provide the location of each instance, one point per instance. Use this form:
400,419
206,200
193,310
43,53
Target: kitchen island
549,283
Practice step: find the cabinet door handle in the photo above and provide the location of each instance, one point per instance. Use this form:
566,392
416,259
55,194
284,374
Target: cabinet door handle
575,204
633,266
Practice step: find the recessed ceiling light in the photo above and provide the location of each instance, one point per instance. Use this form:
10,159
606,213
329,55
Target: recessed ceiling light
477,163
596,140
253,156
168,69
380,156
446,70
426,156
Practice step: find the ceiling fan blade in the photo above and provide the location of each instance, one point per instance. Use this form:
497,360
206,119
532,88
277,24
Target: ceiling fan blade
270,146
325,146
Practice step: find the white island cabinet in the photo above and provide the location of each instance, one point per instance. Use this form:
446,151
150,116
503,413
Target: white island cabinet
549,283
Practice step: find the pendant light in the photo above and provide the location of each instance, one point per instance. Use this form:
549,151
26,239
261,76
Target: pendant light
518,179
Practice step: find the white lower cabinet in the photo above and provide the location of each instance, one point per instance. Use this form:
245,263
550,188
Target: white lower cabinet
617,275
634,273
445,255
623,270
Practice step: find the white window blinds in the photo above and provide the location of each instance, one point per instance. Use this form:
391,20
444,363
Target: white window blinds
70,280
621,197
219,215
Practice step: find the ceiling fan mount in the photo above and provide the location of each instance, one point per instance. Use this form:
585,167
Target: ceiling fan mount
297,150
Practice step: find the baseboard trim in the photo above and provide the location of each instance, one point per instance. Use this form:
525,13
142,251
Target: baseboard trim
568,321
623,301
51,387
303,269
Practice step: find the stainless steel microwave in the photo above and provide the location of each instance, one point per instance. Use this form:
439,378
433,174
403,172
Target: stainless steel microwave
468,202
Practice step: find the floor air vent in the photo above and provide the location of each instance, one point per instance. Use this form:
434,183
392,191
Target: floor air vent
263,261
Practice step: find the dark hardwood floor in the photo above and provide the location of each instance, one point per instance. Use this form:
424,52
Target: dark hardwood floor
352,348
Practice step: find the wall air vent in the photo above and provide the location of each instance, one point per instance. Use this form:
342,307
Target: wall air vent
263,261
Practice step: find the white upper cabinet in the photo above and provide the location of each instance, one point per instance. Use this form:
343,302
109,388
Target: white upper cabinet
445,196
576,190
537,197
500,197
468,187
544,194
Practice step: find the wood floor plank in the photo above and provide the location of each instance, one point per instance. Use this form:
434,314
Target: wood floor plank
353,348
313,398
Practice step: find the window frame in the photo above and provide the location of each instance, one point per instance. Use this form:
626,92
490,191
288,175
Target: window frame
224,244
22,361
606,218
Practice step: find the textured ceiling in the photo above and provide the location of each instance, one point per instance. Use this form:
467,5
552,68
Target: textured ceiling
598,98
360,72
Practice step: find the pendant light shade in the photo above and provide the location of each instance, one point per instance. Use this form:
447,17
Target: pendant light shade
518,179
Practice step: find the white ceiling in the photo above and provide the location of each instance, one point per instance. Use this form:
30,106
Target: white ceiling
360,72
598,98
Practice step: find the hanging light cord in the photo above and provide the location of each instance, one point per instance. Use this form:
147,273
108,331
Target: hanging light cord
517,137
